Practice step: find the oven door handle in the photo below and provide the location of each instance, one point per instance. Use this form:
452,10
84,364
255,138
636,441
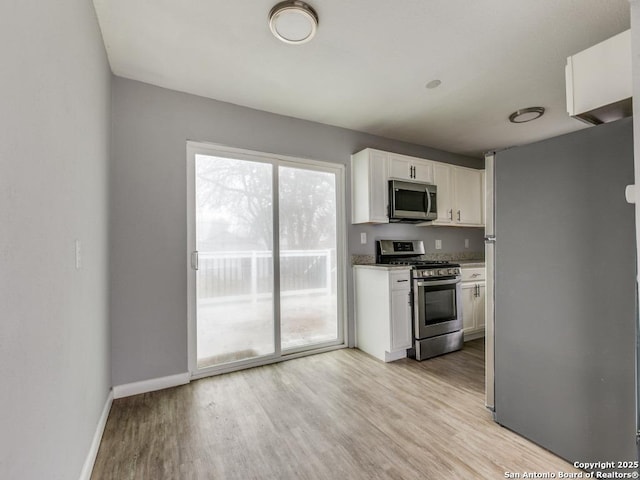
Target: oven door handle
435,283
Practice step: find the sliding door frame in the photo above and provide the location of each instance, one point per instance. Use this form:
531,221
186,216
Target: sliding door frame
210,149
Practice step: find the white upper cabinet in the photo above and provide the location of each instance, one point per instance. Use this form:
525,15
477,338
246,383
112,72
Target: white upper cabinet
410,168
600,81
442,179
460,190
369,187
468,196
460,195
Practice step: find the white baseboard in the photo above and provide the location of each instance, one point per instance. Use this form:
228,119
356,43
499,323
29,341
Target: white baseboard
393,356
473,335
136,388
87,468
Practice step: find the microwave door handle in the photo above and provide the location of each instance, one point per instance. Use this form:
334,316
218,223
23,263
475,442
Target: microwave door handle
428,201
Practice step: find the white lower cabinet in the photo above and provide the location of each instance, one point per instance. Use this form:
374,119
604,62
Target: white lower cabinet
473,290
383,311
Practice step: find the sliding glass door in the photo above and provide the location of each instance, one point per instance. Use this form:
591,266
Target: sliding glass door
234,276
266,257
308,306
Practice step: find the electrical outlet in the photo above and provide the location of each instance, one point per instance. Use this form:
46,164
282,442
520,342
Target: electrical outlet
466,243
363,237
438,244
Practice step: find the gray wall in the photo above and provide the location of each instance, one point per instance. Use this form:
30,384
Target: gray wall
148,241
54,147
452,237
565,328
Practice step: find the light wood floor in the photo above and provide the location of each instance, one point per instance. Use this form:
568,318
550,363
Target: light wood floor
337,415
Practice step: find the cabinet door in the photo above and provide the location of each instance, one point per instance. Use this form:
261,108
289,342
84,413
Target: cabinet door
479,306
423,171
400,167
379,188
400,320
468,291
467,196
442,178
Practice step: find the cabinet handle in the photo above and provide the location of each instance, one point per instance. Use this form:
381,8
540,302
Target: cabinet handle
410,300
477,290
458,215
451,214
400,281
412,171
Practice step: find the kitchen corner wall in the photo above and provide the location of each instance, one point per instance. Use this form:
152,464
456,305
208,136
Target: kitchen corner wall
151,126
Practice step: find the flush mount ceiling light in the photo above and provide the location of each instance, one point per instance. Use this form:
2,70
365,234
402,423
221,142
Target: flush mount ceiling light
526,114
293,22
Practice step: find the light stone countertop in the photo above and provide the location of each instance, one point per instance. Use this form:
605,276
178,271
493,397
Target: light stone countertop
465,259
472,264
377,266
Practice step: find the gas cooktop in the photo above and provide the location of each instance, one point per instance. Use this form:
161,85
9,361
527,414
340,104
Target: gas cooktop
420,262
410,253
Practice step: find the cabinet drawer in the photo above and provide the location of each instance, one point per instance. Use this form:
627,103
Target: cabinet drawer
473,274
400,280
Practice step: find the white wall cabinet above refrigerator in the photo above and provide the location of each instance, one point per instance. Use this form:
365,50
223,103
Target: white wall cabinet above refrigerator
460,196
460,190
599,81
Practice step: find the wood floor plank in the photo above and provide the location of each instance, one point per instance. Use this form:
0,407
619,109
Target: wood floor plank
341,414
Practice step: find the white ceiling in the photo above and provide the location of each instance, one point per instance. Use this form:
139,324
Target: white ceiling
367,67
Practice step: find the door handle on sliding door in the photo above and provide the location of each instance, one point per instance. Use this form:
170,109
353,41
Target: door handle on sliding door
194,260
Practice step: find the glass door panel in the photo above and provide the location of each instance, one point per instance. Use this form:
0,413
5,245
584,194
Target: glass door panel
308,274
235,278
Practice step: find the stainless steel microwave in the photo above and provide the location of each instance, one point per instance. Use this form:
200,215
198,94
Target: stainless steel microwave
412,202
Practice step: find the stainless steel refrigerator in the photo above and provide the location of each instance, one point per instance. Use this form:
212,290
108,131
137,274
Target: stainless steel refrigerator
562,309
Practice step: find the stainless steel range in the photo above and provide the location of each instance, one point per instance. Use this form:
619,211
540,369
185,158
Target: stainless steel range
436,298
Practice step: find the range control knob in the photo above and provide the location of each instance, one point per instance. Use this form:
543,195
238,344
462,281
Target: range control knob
442,272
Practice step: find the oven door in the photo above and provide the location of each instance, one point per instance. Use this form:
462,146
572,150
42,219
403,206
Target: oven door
438,308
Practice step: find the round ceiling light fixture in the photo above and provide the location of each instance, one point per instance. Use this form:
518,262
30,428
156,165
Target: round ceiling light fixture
526,114
293,22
